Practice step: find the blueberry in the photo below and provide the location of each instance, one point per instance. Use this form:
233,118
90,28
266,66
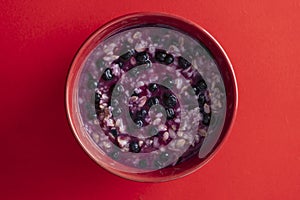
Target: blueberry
160,55
119,62
152,101
206,119
107,75
141,57
114,132
201,85
169,59
148,64
196,90
182,62
97,98
170,100
135,94
142,114
134,147
139,123
201,100
126,56
170,113
152,87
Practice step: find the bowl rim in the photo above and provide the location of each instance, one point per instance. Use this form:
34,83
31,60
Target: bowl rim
69,94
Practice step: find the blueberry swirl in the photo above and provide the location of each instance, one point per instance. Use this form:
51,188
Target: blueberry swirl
150,118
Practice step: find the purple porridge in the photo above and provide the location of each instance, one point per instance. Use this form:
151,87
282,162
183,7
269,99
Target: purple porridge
152,97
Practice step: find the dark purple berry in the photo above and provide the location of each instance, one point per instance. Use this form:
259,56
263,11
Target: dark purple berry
160,55
201,85
142,114
152,101
135,94
134,147
163,57
107,75
141,57
126,56
119,62
201,100
170,100
196,90
182,62
97,98
170,113
169,59
139,123
147,63
114,132
152,87
206,119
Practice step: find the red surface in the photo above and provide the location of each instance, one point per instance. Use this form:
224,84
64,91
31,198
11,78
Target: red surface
40,159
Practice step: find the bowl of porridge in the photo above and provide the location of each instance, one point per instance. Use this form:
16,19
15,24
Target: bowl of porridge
151,97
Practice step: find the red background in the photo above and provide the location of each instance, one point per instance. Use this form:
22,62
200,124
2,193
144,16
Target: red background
40,158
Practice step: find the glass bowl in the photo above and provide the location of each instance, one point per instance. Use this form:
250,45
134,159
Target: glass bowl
151,97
